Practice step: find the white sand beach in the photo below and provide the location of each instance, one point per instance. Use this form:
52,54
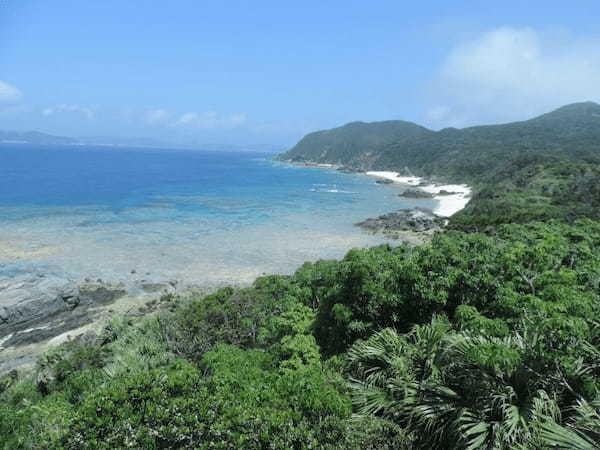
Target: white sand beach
448,204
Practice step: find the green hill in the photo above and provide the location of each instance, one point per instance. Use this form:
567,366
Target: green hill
542,168
34,137
468,342
357,144
465,154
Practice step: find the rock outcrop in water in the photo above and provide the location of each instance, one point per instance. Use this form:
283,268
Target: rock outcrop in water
416,220
415,193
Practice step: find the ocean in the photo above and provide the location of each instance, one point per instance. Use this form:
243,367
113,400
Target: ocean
193,216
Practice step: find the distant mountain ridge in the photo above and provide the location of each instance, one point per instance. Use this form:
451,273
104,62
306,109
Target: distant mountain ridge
459,154
38,138
34,137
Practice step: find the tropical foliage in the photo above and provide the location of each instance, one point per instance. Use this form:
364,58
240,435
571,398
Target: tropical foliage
472,341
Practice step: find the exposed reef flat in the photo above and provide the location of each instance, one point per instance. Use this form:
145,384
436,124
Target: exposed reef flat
55,260
16,251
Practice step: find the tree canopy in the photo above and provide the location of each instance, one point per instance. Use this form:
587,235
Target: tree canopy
471,341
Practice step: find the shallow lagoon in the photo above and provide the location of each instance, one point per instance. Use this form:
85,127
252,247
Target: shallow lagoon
197,217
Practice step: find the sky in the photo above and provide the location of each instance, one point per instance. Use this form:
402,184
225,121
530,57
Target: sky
268,72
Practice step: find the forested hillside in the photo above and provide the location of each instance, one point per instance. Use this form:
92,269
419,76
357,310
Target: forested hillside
536,187
465,155
356,144
538,169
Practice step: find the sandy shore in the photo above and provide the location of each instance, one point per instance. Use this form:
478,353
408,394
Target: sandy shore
448,204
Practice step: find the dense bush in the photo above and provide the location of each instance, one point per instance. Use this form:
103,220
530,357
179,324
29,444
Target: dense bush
484,283
465,390
529,189
470,341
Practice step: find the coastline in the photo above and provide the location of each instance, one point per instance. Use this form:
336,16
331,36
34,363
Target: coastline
457,197
452,198
66,271
78,309
412,226
40,308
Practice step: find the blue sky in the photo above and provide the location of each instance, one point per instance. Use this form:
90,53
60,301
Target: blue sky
270,71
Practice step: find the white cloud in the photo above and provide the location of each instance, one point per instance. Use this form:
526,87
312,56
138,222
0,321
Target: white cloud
297,128
209,120
156,117
9,93
88,113
192,120
514,73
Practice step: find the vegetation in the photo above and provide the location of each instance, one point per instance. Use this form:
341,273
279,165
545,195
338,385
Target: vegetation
539,169
463,155
471,341
485,338
533,189
356,144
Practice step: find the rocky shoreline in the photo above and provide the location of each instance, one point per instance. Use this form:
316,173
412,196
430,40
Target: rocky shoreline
39,311
415,193
413,226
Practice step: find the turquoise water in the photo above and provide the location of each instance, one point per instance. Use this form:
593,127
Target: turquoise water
166,214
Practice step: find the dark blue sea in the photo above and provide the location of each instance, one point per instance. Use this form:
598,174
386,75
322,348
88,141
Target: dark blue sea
190,215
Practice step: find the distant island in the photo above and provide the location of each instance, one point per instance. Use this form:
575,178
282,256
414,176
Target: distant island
45,139
34,137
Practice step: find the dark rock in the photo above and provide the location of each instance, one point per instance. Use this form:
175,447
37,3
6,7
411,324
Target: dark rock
90,339
384,181
415,193
346,169
33,310
101,293
70,295
7,380
8,364
3,315
418,220
445,192
154,287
